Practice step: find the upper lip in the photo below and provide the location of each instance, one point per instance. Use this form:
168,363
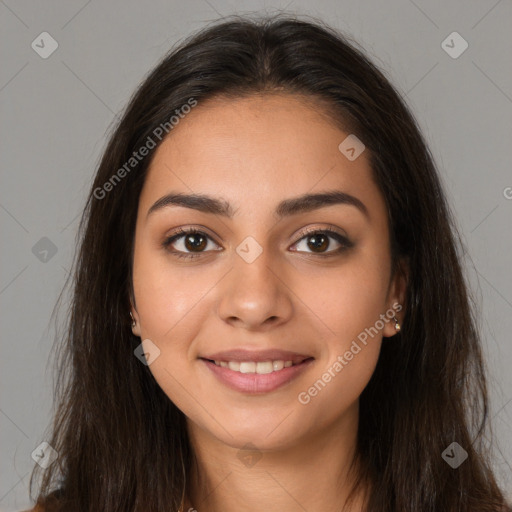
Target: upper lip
257,355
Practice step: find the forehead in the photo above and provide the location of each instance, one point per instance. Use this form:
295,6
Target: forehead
254,152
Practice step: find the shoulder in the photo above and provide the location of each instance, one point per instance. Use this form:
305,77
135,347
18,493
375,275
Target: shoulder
37,508
49,503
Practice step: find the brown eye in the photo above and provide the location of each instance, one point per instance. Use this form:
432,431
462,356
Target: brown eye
319,241
191,243
186,242
195,242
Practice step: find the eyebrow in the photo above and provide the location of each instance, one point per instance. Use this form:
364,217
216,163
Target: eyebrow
286,208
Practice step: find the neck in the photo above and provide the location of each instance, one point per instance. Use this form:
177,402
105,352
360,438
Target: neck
313,474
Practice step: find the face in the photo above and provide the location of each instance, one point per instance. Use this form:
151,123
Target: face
262,276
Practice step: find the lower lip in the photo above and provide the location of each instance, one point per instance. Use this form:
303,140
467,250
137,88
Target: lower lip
255,383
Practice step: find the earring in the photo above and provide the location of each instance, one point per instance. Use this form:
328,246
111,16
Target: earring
397,325
134,323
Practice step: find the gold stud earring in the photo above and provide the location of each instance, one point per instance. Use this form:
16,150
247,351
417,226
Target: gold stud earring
397,325
134,323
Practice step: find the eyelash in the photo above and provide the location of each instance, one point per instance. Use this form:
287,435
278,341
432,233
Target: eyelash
344,241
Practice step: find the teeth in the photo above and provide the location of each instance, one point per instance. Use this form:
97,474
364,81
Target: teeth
234,365
247,367
264,367
277,365
260,367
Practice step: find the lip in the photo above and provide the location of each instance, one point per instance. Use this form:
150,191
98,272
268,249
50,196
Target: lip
255,383
241,355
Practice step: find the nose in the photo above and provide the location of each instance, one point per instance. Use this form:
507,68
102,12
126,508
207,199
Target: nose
255,295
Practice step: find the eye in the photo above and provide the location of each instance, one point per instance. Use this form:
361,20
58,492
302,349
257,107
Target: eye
318,241
191,243
187,239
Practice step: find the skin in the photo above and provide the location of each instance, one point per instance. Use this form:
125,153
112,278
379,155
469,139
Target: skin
254,152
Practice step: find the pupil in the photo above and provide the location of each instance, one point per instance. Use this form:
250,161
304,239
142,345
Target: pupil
198,244
319,242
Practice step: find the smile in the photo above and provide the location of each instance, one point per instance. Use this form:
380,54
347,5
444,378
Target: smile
260,367
256,377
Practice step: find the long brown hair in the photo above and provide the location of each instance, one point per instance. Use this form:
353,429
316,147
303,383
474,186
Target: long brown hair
122,444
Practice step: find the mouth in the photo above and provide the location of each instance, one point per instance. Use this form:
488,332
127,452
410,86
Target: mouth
259,367
256,372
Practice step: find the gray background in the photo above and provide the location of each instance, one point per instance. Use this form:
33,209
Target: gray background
55,113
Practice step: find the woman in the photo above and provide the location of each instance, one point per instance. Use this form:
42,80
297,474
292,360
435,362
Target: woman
269,310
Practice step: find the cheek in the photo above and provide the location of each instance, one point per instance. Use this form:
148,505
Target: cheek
349,308
346,299
170,309
168,300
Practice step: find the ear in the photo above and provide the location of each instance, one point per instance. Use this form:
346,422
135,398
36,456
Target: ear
135,315
396,298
